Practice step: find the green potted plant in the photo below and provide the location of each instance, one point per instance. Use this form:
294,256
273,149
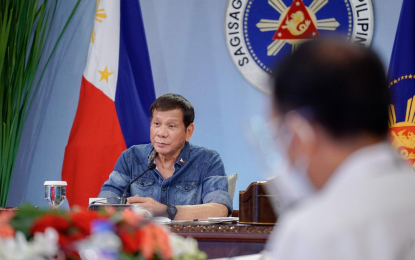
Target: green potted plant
24,29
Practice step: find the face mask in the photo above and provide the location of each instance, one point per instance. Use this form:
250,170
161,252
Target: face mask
292,184
289,181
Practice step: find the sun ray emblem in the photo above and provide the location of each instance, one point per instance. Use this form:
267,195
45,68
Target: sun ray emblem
100,16
299,23
259,33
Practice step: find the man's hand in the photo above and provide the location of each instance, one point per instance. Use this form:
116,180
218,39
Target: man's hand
154,207
201,211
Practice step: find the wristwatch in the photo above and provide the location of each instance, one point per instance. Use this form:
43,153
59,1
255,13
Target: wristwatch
171,211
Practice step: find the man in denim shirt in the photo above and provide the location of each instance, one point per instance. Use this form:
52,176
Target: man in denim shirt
187,176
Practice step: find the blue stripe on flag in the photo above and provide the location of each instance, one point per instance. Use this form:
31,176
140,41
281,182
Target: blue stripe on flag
402,61
135,88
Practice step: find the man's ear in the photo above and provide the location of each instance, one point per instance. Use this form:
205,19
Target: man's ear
189,132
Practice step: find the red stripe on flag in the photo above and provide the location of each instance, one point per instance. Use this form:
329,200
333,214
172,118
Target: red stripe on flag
94,145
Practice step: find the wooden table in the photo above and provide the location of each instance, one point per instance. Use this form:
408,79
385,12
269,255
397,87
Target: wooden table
226,240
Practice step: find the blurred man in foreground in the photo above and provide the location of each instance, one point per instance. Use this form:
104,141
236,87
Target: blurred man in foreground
354,198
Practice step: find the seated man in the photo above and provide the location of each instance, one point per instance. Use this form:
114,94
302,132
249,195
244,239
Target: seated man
189,182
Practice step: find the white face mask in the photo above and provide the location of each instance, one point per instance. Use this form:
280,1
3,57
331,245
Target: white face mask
290,182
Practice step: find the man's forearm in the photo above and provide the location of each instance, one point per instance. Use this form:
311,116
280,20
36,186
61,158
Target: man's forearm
189,212
202,211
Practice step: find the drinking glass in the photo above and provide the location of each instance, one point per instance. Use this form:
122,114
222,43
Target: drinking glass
55,193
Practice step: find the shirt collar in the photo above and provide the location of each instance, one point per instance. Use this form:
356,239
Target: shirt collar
181,159
152,155
184,155
364,164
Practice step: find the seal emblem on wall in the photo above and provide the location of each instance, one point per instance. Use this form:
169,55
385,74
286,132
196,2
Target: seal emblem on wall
260,32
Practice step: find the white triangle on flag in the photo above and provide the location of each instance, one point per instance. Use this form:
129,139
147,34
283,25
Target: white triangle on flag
102,64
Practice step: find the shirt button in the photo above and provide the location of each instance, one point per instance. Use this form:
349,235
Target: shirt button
164,189
187,188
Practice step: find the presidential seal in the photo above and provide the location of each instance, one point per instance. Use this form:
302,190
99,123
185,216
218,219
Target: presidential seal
259,32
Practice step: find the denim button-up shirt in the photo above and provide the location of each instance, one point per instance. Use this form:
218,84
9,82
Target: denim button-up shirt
199,177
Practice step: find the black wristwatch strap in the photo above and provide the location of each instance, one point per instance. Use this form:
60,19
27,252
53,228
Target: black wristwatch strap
171,211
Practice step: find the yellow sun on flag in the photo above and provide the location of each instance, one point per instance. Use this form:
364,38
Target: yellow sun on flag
100,15
402,134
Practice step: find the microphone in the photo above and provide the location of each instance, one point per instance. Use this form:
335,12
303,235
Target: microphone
151,166
102,201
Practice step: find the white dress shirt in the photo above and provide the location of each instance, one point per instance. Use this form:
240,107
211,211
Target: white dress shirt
365,211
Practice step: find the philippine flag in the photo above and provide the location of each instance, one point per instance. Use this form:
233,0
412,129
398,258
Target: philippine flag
116,93
402,85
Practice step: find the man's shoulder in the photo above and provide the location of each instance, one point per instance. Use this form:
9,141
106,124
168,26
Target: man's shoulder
199,151
314,222
385,198
138,152
199,155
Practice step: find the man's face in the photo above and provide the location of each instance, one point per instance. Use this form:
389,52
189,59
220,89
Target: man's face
168,133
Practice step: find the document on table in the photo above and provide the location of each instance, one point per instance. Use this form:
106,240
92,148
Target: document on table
208,221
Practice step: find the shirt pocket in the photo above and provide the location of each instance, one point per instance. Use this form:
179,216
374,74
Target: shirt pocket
186,193
143,187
